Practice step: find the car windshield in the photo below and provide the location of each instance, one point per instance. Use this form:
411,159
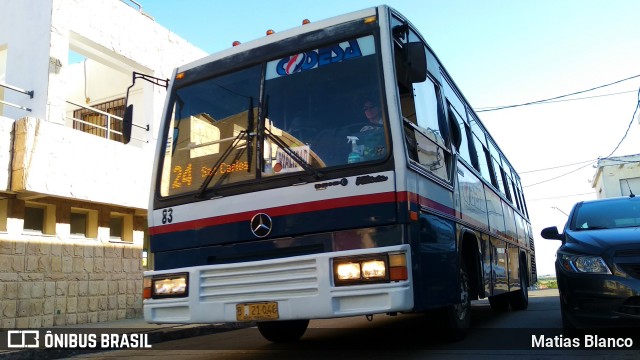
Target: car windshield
303,112
609,214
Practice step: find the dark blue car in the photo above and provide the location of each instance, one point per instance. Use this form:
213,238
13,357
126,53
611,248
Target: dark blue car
598,264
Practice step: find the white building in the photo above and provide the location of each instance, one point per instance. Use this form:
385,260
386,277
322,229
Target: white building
73,198
617,176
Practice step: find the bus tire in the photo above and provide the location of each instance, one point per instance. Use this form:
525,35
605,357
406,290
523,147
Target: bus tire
283,331
519,299
458,316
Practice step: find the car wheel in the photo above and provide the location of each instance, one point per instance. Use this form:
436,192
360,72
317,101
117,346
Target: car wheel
283,331
519,299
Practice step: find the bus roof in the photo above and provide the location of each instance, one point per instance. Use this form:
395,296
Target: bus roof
279,36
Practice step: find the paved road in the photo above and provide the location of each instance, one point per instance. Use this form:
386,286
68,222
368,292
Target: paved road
494,336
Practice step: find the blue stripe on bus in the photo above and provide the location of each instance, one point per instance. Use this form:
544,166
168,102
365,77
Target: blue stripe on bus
283,226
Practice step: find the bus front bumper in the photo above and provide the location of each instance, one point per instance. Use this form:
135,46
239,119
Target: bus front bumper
301,287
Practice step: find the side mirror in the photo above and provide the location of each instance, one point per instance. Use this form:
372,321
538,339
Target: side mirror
551,233
411,64
127,124
417,60
127,119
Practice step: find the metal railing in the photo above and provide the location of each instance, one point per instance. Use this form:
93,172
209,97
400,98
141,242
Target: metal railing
107,130
139,8
16,89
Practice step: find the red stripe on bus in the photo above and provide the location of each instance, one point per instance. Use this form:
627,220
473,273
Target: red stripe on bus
426,202
369,199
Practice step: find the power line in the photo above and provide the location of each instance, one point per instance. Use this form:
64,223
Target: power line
556,97
490,108
560,197
635,111
628,127
557,177
556,167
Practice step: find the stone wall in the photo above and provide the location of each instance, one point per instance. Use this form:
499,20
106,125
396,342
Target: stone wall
53,280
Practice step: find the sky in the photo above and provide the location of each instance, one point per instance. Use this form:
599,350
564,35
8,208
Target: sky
499,53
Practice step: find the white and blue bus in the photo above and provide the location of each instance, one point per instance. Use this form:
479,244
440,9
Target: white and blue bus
331,170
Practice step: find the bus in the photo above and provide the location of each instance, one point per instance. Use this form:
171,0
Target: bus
331,170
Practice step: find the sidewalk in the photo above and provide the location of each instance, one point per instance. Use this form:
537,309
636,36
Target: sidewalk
156,333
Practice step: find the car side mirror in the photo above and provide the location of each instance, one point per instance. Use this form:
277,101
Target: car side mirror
551,233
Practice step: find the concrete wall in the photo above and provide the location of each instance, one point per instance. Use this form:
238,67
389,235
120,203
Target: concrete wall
24,30
616,175
52,277
58,161
65,280
93,80
38,36
122,39
6,127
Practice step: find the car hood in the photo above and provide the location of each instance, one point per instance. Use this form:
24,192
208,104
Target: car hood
600,241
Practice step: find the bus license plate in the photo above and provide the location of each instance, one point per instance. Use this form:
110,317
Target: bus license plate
257,311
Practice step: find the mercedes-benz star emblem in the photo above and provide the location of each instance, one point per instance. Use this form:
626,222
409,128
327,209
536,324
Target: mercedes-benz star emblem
261,225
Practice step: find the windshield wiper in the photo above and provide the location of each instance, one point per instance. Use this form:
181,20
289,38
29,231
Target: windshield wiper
236,141
297,158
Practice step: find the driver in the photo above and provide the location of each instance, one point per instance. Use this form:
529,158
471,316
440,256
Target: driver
371,136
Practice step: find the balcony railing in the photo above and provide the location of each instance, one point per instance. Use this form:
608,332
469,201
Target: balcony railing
100,123
16,89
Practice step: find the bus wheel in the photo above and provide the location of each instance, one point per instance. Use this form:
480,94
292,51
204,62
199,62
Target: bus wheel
283,331
458,316
519,299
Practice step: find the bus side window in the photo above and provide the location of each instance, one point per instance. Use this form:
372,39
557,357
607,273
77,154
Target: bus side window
428,111
408,107
463,149
483,158
425,131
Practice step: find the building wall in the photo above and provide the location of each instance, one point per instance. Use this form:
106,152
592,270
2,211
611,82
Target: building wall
51,277
125,42
94,81
62,279
38,36
24,30
55,160
6,130
616,175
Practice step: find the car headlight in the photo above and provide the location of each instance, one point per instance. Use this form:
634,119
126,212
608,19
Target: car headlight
583,264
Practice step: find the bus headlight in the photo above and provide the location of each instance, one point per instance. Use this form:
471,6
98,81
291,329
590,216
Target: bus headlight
374,269
347,270
163,286
369,269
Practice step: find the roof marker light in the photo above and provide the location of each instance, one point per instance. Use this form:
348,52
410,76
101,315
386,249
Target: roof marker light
370,19
305,21
270,32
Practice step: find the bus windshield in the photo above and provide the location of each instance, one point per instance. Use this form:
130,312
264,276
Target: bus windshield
317,109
